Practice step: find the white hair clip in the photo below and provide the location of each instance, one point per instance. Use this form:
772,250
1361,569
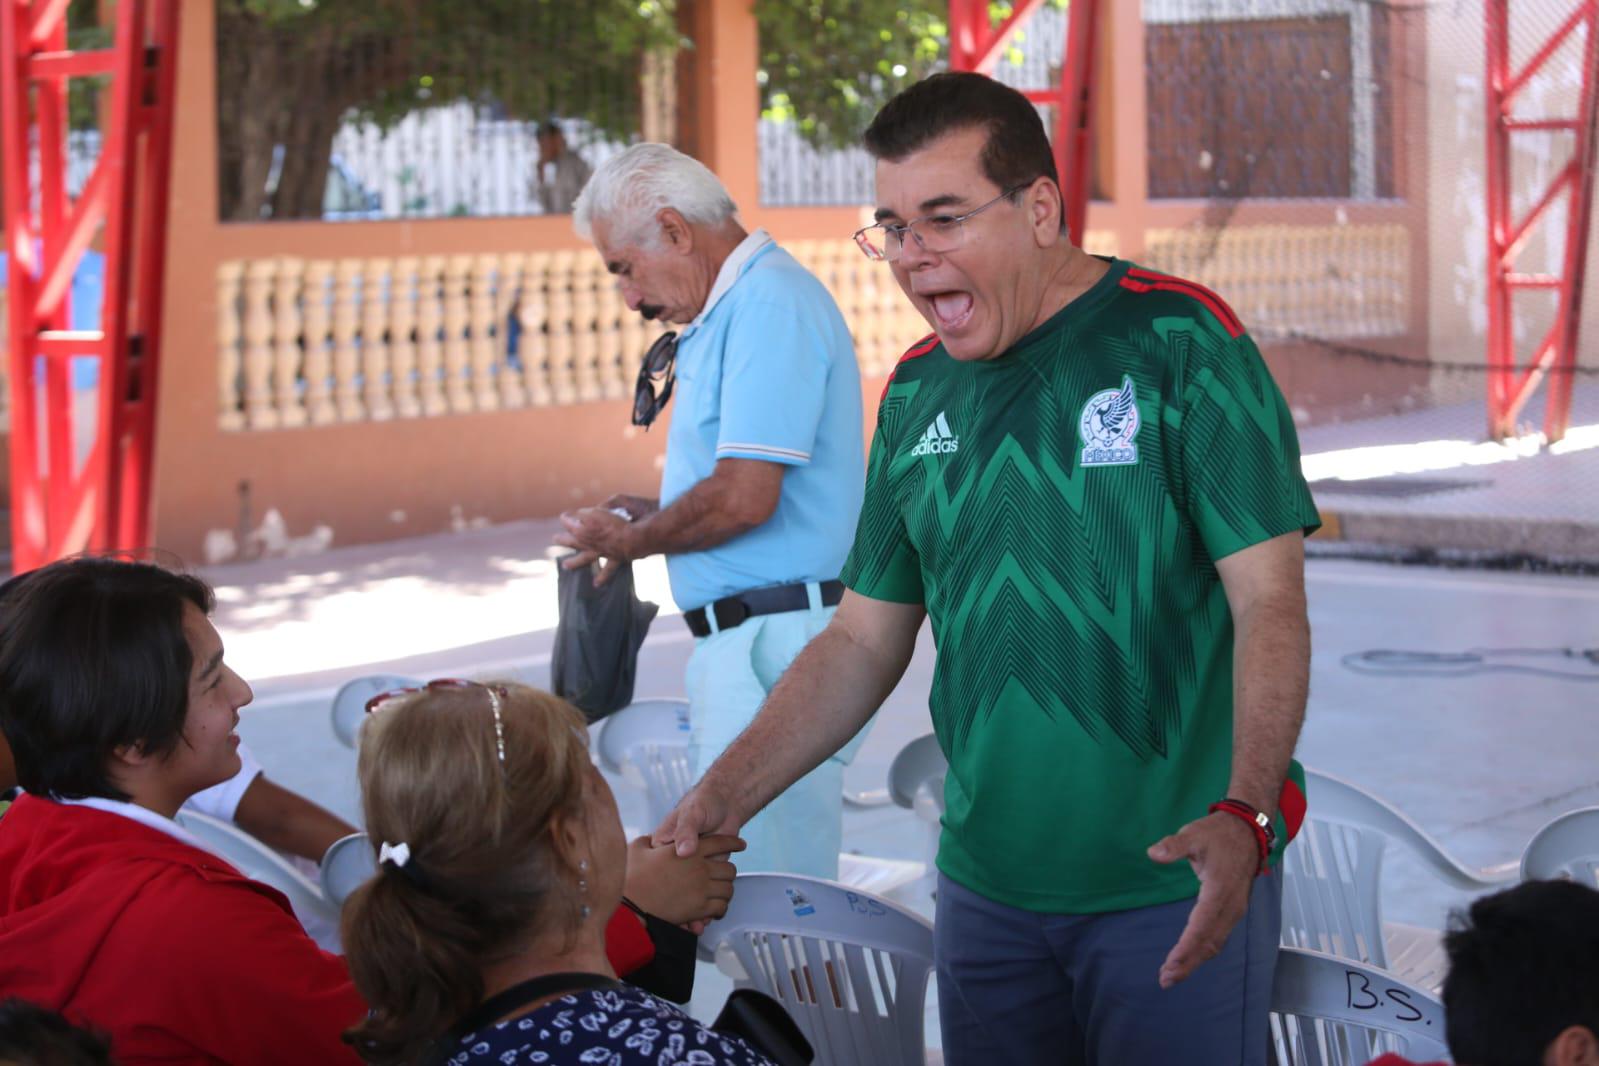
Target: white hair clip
398,854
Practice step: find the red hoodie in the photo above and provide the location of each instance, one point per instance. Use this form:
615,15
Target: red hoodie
165,946
171,950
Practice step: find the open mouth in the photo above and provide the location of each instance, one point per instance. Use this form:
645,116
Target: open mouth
951,309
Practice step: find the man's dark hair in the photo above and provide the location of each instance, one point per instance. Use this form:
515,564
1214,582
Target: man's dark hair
1017,150
93,657
1523,968
551,129
30,1035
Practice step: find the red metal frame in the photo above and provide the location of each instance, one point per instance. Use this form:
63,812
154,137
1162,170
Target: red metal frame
1510,387
56,511
974,45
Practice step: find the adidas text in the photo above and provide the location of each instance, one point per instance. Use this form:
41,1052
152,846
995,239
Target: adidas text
937,439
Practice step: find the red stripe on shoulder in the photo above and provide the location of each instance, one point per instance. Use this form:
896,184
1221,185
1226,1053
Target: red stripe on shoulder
920,348
1139,280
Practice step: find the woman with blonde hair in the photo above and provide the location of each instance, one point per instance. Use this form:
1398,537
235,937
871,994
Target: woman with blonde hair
502,859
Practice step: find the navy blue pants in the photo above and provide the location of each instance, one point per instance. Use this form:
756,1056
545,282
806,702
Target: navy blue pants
1019,987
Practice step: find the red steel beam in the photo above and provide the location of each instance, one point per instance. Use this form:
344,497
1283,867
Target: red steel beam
975,44
56,509
141,338
1555,357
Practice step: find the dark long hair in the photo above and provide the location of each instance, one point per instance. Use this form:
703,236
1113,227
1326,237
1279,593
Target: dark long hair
93,657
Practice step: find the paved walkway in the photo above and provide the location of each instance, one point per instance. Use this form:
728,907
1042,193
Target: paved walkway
1428,480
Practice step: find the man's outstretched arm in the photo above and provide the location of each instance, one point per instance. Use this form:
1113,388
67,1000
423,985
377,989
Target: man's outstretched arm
1265,586
824,698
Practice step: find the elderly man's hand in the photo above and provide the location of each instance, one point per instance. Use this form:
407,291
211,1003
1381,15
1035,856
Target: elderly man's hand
1226,856
596,534
636,506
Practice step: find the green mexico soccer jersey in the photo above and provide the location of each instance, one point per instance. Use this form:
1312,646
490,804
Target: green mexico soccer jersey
1059,510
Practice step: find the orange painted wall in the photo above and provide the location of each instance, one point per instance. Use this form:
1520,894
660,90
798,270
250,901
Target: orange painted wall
376,481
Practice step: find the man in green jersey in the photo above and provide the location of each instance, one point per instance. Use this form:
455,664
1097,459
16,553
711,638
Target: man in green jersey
1089,484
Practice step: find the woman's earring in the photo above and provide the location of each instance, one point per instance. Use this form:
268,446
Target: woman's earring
583,886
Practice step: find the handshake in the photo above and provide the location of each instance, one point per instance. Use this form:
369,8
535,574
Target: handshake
690,891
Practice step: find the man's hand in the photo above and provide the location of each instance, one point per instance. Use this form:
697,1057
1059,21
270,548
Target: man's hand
596,534
636,506
684,891
1225,855
704,812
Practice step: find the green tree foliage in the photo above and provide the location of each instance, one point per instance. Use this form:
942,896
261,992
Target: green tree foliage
290,71
828,65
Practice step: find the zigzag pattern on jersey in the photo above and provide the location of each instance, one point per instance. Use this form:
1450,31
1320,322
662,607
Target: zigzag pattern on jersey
1043,586
1044,570
1036,595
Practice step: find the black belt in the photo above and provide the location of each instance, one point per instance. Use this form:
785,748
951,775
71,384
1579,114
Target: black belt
776,599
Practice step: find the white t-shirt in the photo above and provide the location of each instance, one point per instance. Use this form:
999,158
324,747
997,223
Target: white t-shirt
221,801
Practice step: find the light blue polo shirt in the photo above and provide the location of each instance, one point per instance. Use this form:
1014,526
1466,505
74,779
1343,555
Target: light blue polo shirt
767,371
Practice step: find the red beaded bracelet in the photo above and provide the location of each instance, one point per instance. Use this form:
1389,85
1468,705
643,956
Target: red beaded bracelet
1258,821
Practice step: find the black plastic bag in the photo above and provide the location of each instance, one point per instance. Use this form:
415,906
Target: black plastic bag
597,639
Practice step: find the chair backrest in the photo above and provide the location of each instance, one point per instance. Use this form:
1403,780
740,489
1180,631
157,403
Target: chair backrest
919,767
347,864
1332,898
647,743
1332,872
1327,1011
349,703
851,968
658,720
258,862
1567,847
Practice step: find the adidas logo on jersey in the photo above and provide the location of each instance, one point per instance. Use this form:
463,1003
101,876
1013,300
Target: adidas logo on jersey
938,440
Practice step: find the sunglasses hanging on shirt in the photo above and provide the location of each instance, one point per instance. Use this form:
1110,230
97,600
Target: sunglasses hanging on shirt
658,366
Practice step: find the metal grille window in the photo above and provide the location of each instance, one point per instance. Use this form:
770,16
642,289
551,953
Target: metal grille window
1269,98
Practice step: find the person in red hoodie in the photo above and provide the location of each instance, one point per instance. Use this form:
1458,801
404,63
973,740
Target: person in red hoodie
117,706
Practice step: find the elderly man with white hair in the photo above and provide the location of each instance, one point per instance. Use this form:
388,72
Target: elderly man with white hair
765,462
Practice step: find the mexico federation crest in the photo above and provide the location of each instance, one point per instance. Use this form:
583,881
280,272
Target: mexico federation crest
1108,424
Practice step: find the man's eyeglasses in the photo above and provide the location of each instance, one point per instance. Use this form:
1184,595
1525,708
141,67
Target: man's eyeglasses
496,696
885,242
659,365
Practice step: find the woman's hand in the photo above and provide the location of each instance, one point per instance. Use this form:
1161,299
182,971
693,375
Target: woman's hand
687,891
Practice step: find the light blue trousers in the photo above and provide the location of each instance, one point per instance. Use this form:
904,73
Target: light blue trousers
729,675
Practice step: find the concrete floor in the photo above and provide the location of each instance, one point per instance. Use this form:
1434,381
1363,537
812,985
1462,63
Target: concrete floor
1479,761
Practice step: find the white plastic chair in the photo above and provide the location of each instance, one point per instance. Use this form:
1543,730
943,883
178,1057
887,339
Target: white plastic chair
258,862
1328,1011
349,703
646,742
1565,849
917,772
1332,899
346,866
851,968
916,782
